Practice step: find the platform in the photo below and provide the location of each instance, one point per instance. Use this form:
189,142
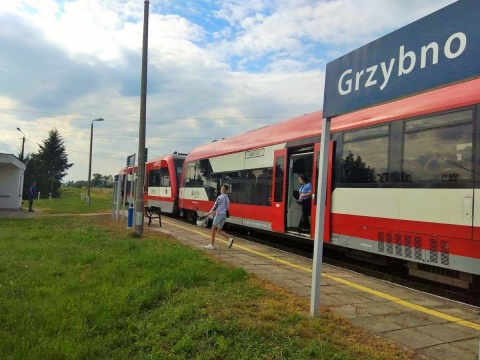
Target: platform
434,327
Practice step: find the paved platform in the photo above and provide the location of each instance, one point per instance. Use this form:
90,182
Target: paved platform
433,327
21,213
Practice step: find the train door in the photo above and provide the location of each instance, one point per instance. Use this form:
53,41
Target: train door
300,163
316,195
279,180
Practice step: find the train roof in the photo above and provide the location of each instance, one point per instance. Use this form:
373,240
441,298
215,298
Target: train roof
175,156
308,125
156,161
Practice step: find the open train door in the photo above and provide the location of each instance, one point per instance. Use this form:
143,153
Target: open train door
315,174
278,190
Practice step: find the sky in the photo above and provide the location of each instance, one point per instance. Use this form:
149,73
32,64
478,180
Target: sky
216,68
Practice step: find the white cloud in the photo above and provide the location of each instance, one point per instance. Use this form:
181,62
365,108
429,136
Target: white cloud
216,69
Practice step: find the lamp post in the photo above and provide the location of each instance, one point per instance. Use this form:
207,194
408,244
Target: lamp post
23,143
90,161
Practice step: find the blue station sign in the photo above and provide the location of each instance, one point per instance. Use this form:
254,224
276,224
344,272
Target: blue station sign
437,50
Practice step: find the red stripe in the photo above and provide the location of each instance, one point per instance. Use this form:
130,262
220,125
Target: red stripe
459,237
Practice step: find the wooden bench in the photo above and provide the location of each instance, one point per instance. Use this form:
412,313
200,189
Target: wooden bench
153,214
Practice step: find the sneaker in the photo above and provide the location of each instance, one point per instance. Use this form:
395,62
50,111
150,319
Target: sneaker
230,242
210,247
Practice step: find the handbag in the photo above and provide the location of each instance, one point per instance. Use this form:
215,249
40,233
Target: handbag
228,214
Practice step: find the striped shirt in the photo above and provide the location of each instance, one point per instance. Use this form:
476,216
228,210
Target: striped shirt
221,205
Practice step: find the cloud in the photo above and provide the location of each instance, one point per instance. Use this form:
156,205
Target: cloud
38,74
216,69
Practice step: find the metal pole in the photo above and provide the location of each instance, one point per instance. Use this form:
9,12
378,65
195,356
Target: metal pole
320,219
139,202
51,190
117,201
23,144
87,201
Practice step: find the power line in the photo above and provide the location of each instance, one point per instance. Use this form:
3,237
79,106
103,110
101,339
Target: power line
186,117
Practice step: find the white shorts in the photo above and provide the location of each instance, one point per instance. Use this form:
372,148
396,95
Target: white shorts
219,220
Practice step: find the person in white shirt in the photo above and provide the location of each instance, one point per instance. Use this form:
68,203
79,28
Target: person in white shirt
220,209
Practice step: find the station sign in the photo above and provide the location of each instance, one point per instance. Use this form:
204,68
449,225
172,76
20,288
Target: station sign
439,49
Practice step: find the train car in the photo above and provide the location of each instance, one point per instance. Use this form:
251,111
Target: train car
127,177
162,179
402,182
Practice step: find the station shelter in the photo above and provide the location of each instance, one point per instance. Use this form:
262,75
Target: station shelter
11,182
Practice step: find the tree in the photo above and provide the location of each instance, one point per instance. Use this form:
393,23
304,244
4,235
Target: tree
356,171
47,167
108,181
97,180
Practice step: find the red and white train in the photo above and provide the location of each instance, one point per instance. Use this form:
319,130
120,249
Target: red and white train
162,180
402,181
162,183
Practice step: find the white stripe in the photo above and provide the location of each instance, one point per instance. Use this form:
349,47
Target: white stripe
446,206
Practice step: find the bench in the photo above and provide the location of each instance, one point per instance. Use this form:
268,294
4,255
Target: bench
153,214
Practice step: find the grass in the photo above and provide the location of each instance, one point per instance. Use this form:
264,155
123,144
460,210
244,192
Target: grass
82,288
71,202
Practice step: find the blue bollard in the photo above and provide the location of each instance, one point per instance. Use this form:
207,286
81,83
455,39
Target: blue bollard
130,217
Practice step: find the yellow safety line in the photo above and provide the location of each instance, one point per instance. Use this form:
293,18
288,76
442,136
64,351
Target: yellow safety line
351,284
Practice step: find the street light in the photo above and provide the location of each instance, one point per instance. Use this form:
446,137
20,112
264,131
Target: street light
23,143
90,161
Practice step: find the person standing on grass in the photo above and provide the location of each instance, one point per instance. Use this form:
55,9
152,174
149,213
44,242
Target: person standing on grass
220,209
32,192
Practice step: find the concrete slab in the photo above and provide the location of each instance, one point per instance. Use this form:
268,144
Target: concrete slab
376,325
439,332
411,338
448,351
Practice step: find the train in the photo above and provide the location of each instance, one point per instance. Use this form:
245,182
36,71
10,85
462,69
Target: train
162,180
402,181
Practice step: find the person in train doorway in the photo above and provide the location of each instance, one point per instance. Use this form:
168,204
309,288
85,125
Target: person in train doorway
32,193
220,208
305,199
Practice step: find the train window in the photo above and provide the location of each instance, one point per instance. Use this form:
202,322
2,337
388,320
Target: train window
250,180
165,177
197,173
234,180
457,117
279,169
366,133
213,189
365,156
441,153
189,177
258,186
178,165
154,178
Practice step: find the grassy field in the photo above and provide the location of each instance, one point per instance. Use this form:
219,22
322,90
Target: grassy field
70,202
83,288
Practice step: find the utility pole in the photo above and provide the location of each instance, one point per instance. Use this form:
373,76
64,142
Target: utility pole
139,202
87,201
23,144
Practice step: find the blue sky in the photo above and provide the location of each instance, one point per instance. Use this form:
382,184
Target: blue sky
216,68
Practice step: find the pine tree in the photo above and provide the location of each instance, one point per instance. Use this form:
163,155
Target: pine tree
49,166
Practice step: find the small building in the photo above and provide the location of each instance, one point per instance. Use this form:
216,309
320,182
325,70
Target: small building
11,182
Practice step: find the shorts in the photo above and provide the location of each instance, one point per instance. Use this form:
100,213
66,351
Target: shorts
219,220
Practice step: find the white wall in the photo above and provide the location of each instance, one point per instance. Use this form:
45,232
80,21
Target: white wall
11,182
